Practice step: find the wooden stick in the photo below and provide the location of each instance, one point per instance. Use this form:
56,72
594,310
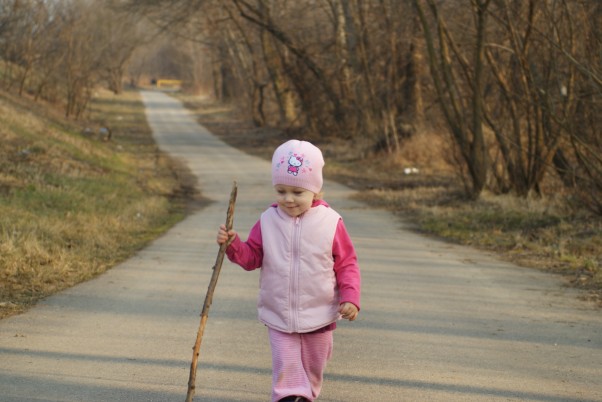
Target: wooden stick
209,298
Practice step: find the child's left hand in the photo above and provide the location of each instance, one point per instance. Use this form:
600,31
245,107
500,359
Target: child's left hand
348,311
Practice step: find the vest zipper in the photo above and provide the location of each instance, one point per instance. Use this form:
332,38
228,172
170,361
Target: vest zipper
294,296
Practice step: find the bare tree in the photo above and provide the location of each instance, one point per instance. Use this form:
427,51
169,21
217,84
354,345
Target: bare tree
258,16
28,38
528,95
578,42
275,59
459,84
64,46
118,35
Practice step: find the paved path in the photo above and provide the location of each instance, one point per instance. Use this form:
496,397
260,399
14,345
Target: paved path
439,322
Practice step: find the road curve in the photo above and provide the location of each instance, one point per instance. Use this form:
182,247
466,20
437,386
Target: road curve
438,323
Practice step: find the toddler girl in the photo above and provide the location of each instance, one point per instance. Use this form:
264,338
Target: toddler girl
309,271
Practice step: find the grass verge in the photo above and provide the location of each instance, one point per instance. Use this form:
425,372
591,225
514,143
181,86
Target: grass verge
73,205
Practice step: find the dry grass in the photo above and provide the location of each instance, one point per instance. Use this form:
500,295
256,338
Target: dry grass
72,205
543,233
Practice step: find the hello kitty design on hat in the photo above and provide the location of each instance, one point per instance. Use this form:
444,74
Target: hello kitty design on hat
299,164
294,163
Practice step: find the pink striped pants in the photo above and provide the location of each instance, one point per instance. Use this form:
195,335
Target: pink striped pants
298,363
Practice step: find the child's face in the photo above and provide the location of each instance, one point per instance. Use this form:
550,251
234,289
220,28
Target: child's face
293,200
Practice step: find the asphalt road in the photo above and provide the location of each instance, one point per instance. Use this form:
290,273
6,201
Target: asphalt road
438,322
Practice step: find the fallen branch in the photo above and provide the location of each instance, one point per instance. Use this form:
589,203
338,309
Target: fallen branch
209,298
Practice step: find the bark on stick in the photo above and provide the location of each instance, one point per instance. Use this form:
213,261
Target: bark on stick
209,298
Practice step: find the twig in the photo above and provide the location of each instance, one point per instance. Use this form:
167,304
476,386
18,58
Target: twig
209,298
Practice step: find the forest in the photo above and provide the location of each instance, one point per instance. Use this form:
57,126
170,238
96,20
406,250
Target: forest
513,86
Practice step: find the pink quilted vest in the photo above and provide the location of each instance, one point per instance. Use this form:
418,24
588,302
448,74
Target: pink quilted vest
298,290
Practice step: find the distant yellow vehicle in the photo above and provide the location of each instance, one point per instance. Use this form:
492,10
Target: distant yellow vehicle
166,83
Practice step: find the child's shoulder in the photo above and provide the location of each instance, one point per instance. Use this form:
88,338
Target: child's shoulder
320,202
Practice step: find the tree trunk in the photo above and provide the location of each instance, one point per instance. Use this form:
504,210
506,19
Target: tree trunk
478,153
468,136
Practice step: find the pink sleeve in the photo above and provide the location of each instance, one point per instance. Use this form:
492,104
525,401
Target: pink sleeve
247,254
346,266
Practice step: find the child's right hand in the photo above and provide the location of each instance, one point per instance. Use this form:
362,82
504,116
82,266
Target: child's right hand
224,236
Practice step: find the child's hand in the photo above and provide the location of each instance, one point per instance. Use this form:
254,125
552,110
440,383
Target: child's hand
348,311
223,236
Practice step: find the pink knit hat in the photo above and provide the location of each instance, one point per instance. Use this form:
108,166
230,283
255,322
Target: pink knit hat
299,164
